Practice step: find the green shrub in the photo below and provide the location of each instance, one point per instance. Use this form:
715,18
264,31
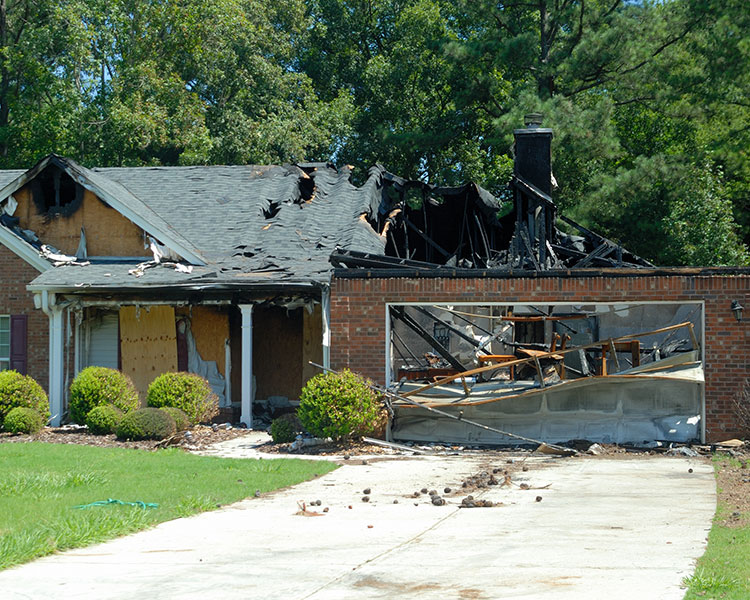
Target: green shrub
340,405
95,386
146,424
189,392
23,419
103,420
285,428
181,420
21,390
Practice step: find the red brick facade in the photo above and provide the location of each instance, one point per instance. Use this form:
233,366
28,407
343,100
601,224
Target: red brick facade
15,274
358,316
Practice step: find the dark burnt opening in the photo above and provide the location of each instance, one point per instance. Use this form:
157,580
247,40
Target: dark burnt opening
54,192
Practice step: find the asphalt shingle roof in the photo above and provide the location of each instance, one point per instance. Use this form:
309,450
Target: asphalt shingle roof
252,224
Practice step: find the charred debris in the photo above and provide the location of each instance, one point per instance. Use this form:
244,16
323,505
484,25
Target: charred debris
427,227
605,373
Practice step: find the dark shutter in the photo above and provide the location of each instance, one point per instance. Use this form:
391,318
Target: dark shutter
18,343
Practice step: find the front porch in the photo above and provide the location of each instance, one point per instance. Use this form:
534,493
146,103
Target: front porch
254,351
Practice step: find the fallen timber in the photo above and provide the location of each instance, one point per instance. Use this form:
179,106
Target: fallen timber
659,400
392,396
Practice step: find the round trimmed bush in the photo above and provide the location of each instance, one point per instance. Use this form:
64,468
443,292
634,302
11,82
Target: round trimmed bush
340,405
285,428
146,424
189,392
95,386
18,390
103,419
23,420
181,420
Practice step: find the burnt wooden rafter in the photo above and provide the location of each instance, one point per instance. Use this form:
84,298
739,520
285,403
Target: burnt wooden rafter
399,313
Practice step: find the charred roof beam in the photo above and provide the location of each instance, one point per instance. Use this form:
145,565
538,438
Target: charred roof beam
402,316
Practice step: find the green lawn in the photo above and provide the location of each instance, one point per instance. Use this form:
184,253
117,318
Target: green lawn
40,484
723,572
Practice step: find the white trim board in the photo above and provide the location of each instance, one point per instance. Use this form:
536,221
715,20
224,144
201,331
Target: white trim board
24,250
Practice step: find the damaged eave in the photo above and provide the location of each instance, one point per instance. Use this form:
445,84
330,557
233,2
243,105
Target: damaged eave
87,179
440,271
181,287
24,250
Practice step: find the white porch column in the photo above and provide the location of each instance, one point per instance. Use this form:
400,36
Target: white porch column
227,374
56,364
325,301
77,359
247,364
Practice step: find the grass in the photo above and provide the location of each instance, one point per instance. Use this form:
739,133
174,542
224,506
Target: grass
40,484
723,572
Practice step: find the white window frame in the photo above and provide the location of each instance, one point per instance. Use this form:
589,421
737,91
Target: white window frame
5,348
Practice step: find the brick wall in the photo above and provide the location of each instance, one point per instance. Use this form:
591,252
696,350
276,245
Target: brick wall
15,273
358,317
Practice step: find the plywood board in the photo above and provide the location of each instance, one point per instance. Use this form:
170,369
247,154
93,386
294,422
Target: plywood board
277,352
108,233
210,327
312,342
148,344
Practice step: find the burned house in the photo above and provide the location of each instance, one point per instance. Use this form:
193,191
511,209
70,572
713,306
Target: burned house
502,312
496,309
222,271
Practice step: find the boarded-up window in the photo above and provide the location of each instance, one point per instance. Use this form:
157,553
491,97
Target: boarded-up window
148,343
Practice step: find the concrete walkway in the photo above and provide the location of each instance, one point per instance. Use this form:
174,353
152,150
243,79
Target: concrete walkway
604,528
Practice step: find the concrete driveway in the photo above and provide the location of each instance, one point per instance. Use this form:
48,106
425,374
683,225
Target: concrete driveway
604,528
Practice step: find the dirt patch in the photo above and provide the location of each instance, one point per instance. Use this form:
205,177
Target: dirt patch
733,486
350,448
202,436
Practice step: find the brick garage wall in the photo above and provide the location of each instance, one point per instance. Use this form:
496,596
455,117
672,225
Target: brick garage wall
15,274
358,317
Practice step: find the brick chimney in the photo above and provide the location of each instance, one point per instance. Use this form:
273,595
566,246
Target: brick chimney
533,156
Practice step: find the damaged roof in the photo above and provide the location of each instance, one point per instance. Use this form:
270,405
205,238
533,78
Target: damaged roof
236,227
249,225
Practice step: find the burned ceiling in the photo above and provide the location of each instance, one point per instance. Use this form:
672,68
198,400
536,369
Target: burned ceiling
467,227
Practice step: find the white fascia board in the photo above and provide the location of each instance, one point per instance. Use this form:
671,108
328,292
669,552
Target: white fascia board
24,250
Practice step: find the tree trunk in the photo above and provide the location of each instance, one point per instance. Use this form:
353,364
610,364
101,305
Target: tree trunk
545,83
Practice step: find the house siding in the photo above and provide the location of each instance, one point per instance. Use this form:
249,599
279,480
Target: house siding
15,274
358,318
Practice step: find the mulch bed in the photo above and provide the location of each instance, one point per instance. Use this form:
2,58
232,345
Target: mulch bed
202,437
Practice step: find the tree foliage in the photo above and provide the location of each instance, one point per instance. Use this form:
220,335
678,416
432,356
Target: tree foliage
648,99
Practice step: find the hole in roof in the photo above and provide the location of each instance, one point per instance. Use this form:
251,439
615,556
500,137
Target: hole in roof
272,209
54,192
